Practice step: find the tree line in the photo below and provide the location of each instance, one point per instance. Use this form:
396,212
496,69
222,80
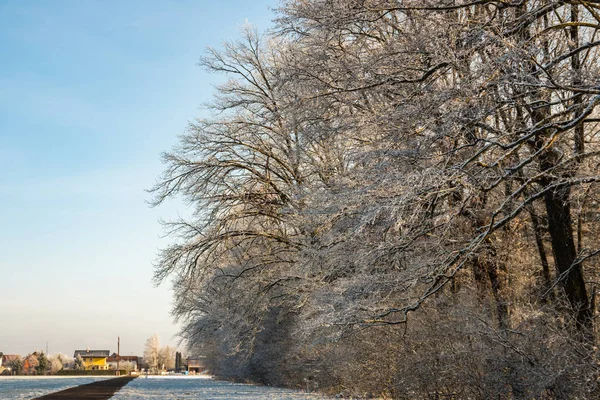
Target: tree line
158,358
36,363
396,198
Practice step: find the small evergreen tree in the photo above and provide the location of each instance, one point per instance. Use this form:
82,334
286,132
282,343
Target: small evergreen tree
42,364
16,366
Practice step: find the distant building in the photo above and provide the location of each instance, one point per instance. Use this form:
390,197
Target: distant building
93,359
195,364
8,360
30,363
123,361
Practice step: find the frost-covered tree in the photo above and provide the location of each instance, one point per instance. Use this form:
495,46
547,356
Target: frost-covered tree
243,172
127,365
166,358
78,363
378,173
152,352
56,363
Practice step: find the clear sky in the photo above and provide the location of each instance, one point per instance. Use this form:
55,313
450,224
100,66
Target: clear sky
90,93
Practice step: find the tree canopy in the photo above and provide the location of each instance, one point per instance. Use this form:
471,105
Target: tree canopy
396,197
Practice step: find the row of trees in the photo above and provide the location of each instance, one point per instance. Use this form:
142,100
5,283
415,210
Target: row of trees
158,358
397,197
36,363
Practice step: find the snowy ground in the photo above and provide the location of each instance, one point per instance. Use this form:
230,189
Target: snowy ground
182,387
26,387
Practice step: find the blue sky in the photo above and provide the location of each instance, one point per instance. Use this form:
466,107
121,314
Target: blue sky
90,93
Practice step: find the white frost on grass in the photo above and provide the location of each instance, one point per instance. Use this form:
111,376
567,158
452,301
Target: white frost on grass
200,376
8,378
199,387
26,387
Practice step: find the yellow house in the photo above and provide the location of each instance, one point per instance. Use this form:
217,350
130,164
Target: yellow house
93,359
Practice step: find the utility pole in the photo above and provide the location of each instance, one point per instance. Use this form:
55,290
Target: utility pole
118,351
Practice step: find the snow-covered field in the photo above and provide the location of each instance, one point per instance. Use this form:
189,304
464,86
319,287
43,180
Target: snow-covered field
26,387
170,387
198,387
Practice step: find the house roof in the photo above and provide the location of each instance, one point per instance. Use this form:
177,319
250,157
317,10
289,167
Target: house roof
113,358
10,357
194,362
92,353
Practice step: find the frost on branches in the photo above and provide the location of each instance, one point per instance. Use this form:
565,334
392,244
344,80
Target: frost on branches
396,198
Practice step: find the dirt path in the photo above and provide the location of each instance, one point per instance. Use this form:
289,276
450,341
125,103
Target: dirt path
101,390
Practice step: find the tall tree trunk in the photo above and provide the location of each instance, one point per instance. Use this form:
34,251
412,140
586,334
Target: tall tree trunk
486,270
547,291
557,198
558,208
